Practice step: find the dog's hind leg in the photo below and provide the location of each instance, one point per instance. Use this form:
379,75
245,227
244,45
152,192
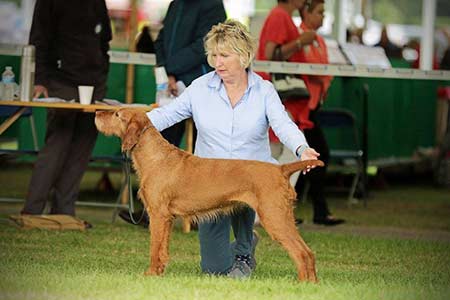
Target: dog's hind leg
160,227
280,225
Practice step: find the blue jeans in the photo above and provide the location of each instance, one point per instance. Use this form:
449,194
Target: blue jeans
217,253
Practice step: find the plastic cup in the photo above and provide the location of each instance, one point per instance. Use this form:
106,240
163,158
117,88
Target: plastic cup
160,75
85,93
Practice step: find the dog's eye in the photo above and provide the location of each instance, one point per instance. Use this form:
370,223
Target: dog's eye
116,113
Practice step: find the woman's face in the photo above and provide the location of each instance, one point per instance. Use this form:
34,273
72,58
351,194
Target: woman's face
227,64
315,18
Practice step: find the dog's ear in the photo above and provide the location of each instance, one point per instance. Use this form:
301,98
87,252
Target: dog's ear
131,135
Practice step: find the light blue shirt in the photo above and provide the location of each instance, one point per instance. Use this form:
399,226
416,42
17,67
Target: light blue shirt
226,132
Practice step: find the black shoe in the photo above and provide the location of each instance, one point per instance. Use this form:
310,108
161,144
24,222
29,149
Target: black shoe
87,225
137,217
298,221
328,221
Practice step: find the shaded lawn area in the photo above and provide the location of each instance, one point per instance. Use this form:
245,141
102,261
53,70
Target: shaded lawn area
396,248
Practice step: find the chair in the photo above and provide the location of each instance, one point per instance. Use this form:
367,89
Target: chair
345,150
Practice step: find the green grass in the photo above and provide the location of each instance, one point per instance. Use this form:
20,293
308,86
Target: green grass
397,248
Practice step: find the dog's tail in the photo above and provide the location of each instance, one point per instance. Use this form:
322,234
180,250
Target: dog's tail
299,165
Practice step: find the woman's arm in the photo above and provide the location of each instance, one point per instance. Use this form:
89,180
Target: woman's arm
179,109
288,49
283,127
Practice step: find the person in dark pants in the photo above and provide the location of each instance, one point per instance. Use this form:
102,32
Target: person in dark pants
316,139
301,45
71,39
179,48
312,17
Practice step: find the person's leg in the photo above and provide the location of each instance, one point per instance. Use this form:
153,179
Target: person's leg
67,186
50,161
242,223
245,244
216,255
81,145
316,177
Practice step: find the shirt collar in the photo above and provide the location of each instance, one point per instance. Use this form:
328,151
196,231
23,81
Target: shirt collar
215,81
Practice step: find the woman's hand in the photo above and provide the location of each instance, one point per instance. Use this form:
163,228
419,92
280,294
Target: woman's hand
307,37
173,89
309,154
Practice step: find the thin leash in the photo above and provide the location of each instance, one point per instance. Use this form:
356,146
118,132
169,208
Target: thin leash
128,162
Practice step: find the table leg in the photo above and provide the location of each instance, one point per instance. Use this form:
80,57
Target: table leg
11,119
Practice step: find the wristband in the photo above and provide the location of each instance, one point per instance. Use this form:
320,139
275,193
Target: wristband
300,150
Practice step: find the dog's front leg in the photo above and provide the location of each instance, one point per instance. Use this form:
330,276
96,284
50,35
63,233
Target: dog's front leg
160,227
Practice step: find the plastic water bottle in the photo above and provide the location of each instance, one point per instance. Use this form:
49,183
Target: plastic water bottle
162,85
9,84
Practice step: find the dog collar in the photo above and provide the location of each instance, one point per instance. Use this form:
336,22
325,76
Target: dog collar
142,132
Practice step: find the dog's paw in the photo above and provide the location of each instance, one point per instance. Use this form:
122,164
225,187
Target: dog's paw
151,272
155,271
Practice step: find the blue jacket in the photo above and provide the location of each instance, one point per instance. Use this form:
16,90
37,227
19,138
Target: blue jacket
179,45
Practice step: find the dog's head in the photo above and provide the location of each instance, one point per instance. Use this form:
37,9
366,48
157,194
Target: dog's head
126,123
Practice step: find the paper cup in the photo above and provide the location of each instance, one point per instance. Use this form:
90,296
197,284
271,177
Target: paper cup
85,93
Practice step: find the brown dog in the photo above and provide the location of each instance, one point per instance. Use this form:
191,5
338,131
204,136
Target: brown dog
176,183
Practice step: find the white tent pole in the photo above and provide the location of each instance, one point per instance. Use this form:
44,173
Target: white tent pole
27,11
341,26
427,41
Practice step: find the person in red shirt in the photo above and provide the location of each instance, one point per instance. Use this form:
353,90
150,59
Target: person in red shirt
279,29
302,45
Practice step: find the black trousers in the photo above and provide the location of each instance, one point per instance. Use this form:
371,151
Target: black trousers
316,177
69,140
174,134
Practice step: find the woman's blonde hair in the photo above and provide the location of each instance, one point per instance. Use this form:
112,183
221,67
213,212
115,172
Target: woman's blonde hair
233,36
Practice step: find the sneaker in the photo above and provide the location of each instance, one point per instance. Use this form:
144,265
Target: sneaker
241,267
87,225
244,265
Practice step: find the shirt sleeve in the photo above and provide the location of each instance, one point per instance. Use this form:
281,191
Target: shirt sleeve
172,113
42,32
283,127
107,31
276,29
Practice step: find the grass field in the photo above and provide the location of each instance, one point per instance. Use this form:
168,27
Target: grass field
396,248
